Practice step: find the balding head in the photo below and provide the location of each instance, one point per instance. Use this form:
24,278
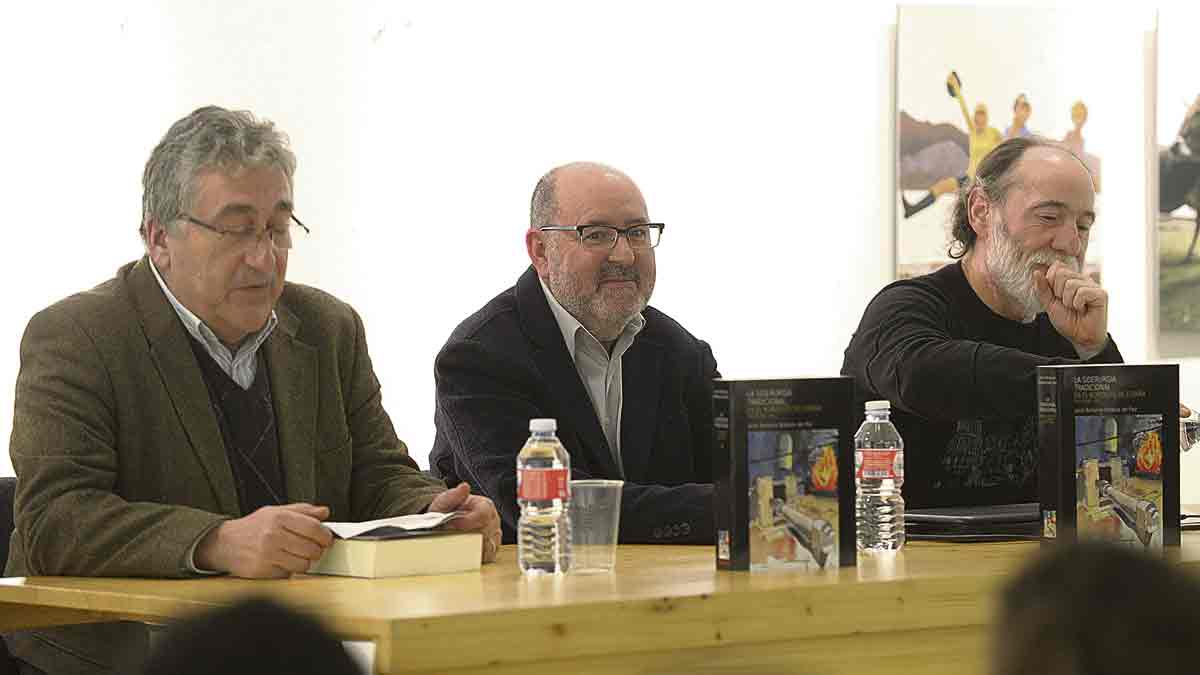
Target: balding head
572,179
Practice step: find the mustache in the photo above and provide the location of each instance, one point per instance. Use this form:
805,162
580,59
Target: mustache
1048,257
618,273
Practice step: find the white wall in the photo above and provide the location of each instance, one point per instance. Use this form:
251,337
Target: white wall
761,132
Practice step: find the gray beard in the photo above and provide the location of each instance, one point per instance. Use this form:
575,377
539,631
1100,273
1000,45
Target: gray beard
1012,271
587,309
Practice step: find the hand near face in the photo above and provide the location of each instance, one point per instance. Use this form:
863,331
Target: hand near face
273,542
478,515
1076,305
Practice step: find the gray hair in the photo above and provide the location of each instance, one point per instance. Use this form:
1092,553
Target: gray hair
209,138
544,204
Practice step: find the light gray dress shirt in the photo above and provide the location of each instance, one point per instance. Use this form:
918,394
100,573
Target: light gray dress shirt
599,371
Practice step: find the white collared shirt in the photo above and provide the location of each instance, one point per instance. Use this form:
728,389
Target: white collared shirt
242,366
599,371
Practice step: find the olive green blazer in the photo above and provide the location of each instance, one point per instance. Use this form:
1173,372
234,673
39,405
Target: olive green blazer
120,462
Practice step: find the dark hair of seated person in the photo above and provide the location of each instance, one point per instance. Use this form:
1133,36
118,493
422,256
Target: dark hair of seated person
1097,609
253,636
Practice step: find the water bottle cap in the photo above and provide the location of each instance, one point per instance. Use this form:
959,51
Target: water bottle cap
879,405
543,425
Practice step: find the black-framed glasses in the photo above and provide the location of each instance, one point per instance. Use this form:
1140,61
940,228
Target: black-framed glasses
248,238
604,237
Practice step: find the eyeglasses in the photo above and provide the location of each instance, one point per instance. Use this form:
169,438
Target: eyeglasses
248,238
604,237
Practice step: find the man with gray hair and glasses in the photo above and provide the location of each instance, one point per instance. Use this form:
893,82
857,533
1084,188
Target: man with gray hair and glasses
957,351
575,340
196,414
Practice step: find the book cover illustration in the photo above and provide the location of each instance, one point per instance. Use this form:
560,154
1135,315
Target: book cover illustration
1109,441
793,497
783,470
1118,478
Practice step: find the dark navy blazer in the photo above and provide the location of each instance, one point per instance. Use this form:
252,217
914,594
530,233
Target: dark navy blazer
508,363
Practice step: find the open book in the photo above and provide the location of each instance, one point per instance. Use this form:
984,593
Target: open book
399,546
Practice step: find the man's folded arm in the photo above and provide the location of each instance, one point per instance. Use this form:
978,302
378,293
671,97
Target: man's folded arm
918,366
69,519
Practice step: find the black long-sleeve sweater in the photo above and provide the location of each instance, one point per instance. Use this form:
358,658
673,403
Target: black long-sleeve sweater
962,383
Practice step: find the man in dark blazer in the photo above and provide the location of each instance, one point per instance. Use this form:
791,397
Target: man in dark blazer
574,340
196,414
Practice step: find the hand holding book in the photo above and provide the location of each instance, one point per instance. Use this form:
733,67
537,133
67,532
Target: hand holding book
476,514
273,542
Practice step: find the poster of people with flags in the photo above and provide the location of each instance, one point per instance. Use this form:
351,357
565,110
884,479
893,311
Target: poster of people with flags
968,78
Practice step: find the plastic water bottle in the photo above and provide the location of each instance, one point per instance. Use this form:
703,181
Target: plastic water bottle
878,476
543,493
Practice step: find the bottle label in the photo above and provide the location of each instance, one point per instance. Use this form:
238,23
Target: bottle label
540,485
880,464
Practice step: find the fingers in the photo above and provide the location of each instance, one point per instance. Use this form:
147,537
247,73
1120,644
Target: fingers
477,513
290,563
1041,286
1184,411
1058,276
293,543
301,547
313,511
1089,296
451,500
1076,305
273,542
1070,289
491,547
1074,290
306,527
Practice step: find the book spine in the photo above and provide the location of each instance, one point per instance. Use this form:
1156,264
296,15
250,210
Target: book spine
739,480
1171,450
847,412
723,497
1067,456
1048,451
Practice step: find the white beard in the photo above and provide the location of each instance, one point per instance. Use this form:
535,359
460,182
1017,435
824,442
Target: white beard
1012,271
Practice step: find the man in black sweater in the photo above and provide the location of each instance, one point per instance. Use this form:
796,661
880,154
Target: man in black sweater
956,351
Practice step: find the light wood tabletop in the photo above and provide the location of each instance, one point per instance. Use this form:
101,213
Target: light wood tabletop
664,610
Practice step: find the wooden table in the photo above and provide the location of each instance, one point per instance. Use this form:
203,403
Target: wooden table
665,610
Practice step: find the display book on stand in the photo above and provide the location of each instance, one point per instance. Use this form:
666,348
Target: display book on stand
783,460
1108,437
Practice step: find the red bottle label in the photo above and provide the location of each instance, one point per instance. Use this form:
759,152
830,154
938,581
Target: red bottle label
541,485
879,464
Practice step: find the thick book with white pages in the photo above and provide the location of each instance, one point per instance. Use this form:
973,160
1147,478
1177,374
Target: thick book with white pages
397,547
